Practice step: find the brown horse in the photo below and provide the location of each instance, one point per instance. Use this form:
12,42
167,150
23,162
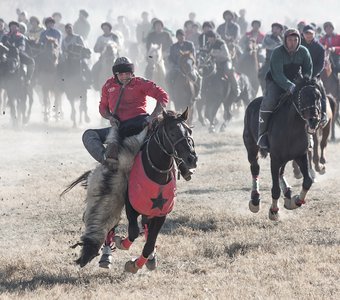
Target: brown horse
186,84
332,87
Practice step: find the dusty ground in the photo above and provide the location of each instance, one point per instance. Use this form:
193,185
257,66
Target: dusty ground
211,247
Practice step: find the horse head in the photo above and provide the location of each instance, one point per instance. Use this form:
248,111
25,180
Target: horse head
309,103
187,62
206,63
155,55
174,137
110,51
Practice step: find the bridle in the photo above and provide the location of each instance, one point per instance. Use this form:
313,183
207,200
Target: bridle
161,137
301,109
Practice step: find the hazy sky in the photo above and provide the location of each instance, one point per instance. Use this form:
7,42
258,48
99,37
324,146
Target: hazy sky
175,12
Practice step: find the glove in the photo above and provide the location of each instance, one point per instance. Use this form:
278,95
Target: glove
292,89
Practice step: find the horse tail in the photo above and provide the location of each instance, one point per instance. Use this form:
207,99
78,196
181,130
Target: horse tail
83,178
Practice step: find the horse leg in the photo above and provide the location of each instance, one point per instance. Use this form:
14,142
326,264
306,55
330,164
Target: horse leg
316,158
73,113
47,104
106,258
123,243
296,170
323,143
285,187
276,170
148,253
83,108
30,104
298,200
254,203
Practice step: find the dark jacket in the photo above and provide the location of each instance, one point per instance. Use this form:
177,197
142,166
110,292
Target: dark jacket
317,52
285,67
177,47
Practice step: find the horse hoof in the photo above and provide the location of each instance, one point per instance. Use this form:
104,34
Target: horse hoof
293,203
212,129
322,170
106,259
274,214
223,127
119,242
254,208
152,263
131,267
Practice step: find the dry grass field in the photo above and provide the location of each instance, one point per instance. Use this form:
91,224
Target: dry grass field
211,246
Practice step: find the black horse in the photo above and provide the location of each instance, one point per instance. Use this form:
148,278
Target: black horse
297,116
12,77
48,78
75,73
170,142
215,91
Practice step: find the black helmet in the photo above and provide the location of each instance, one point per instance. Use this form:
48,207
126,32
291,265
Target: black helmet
123,65
13,23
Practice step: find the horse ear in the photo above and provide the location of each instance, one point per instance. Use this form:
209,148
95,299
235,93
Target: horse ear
185,114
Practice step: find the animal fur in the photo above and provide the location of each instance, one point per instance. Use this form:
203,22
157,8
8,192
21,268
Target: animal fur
107,190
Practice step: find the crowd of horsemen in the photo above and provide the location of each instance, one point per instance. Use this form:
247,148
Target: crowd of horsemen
225,45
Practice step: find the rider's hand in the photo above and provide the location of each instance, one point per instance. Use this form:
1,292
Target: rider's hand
113,121
292,89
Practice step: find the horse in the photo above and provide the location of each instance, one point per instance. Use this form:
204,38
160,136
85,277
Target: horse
155,68
102,69
186,84
169,142
75,84
332,87
215,91
249,63
13,82
48,78
298,115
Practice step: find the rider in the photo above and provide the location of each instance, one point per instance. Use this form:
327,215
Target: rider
202,39
229,30
35,30
106,38
317,53
287,62
175,53
331,42
70,39
160,37
270,42
15,38
50,32
82,26
123,103
219,51
254,34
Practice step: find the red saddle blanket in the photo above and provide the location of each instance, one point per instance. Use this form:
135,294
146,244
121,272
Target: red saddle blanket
148,197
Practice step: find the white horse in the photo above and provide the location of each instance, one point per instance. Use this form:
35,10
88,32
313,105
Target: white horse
155,69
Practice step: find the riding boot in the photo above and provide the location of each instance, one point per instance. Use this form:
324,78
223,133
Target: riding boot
111,156
262,132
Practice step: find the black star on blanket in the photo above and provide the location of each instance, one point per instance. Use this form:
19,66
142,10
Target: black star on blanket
158,202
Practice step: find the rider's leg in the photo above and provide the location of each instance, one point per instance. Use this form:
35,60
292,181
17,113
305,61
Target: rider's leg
93,140
268,104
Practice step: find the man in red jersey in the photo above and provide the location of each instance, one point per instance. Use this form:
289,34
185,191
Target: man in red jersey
123,103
